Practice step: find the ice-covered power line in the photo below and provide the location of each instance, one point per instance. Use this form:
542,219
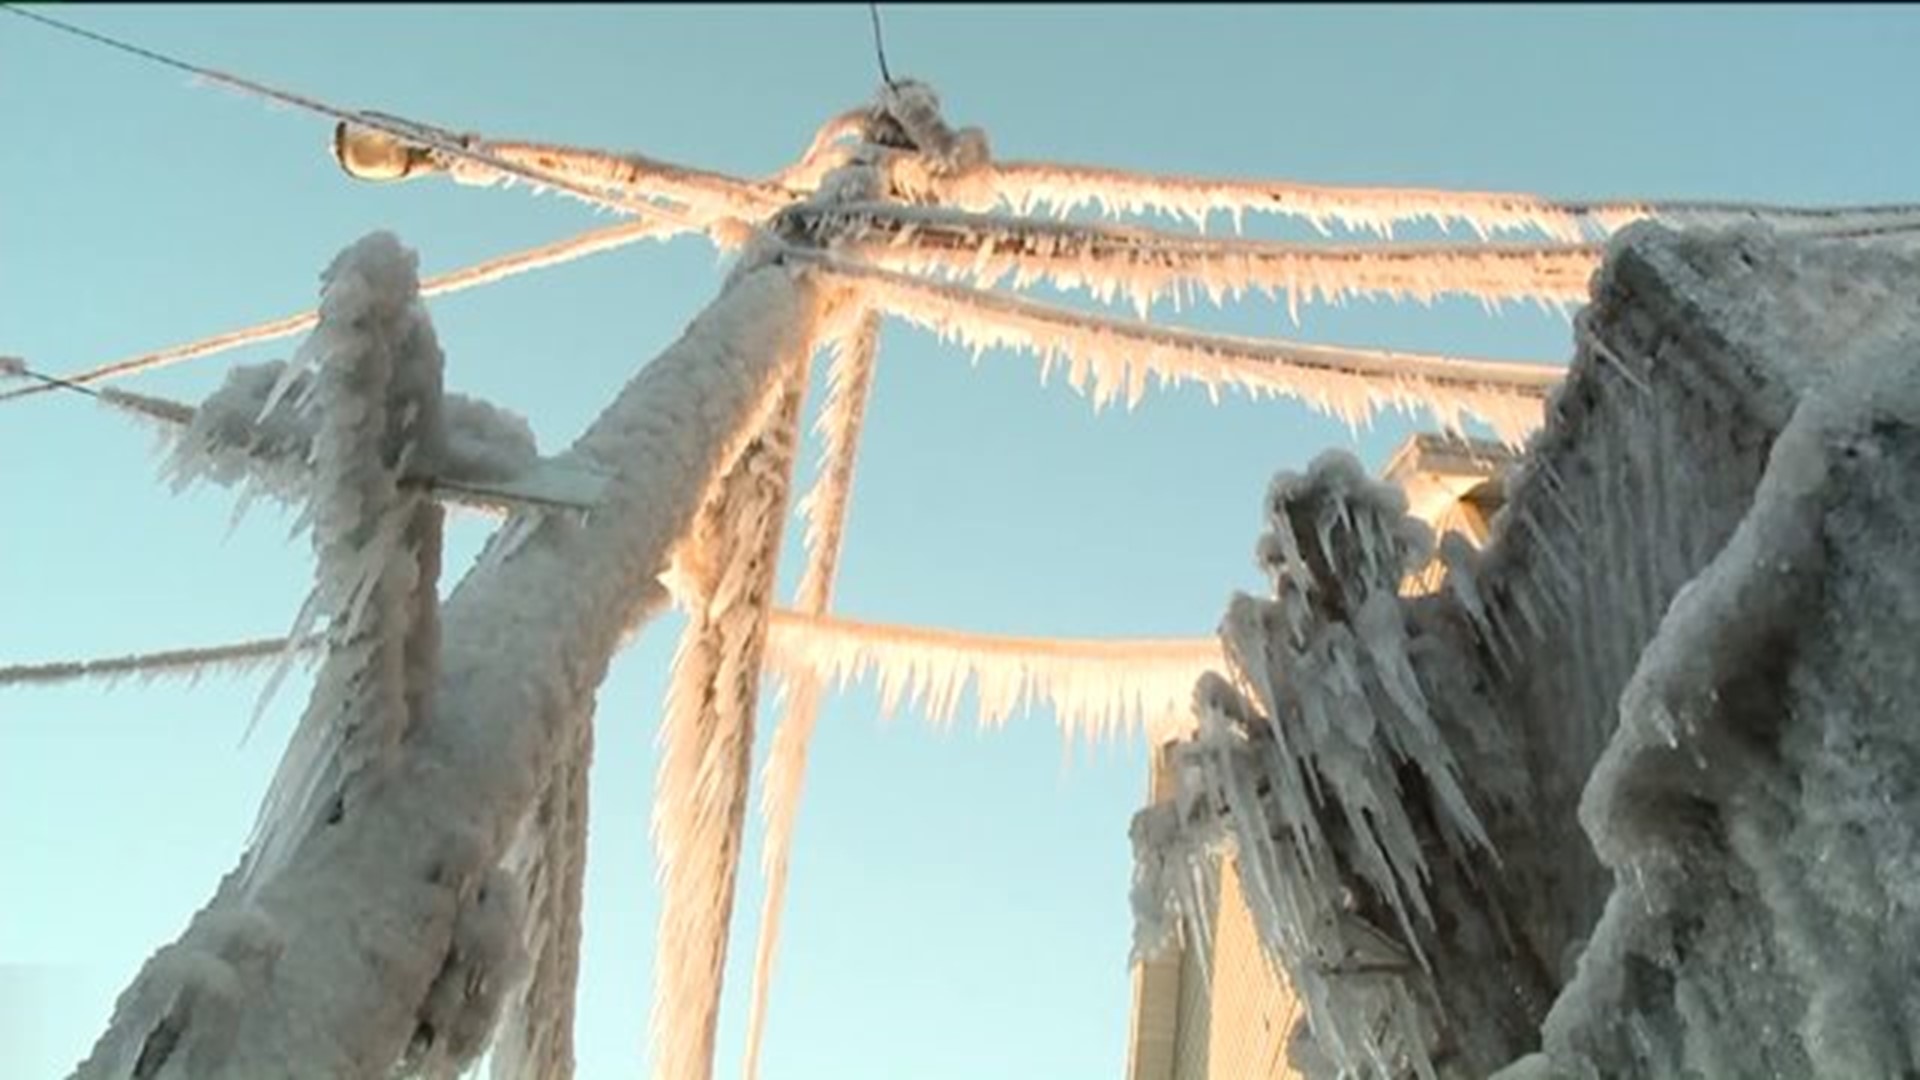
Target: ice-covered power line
181,663
592,242
1096,688
1111,358
1029,187
1139,264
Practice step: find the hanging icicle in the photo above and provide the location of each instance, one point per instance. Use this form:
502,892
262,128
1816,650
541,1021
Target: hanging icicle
700,798
849,379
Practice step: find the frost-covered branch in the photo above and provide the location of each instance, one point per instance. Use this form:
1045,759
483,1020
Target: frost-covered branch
1144,266
363,940
700,796
849,379
468,277
1106,356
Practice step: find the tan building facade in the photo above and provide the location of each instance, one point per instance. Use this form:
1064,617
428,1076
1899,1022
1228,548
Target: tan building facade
1210,1009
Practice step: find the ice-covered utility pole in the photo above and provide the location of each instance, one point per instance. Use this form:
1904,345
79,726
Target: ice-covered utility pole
338,956
410,877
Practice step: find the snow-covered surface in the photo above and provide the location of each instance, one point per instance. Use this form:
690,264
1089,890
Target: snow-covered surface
1671,696
1756,802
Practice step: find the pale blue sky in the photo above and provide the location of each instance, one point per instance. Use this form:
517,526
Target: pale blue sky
958,906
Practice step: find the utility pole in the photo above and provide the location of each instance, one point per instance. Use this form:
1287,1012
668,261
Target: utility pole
327,964
367,943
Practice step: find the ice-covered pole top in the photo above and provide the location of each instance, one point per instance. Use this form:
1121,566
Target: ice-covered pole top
906,116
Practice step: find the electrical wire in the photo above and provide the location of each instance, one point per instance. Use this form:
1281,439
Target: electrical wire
880,45
405,130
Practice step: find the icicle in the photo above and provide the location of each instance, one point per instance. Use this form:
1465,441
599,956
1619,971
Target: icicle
1336,709
849,381
707,737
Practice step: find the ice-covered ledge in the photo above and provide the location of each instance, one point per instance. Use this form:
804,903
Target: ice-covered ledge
1673,826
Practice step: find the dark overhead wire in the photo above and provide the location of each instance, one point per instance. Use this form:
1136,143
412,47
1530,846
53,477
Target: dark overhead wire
50,382
102,39
879,44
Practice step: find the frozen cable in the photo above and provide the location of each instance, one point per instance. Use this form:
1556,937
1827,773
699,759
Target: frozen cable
466,277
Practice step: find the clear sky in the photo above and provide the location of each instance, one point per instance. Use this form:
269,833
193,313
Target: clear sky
958,904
